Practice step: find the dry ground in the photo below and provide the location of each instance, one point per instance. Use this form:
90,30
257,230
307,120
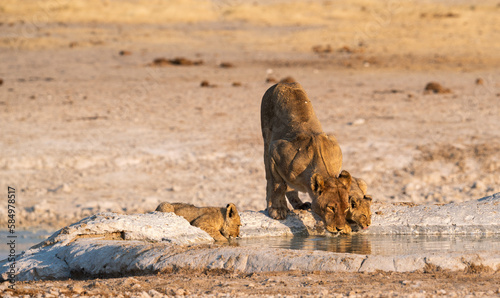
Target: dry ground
90,124
217,283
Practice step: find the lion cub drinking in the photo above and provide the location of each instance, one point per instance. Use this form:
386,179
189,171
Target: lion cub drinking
360,203
220,223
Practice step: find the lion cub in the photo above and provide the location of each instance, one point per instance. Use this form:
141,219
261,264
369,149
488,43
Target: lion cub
220,223
359,210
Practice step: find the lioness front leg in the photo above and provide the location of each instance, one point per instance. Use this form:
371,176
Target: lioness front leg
275,195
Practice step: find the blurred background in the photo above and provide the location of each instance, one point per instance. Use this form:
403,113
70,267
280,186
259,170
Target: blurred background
119,105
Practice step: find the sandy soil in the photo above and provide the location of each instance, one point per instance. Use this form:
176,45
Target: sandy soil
90,124
217,283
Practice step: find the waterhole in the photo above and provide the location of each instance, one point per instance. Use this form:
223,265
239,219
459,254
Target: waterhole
22,241
387,245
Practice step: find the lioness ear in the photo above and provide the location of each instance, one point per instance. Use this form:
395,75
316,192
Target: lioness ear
231,210
346,179
362,185
317,184
368,197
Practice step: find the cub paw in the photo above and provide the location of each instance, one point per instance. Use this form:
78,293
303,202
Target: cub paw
278,213
346,230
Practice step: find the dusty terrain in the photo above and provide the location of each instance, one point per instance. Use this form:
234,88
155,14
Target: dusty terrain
217,283
90,123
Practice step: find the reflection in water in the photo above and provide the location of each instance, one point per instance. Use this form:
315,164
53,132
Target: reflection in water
348,244
356,243
380,244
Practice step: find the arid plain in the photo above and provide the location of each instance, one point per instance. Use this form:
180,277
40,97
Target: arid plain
97,112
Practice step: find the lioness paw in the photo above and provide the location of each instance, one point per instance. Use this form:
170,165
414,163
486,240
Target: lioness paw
304,206
278,213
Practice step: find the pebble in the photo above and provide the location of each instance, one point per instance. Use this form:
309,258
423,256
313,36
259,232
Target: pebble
130,281
136,286
359,121
4,285
142,295
181,292
54,292
478,185
154,293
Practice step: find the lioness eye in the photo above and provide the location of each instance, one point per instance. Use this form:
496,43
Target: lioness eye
331,208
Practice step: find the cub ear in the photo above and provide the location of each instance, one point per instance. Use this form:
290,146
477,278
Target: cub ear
317,184
368,198
231,210
346,179
362,185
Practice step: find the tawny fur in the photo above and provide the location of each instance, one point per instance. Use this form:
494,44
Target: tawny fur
360,203
298,155
220,223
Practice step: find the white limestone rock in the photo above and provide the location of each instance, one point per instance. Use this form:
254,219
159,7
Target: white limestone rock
259,224
54,257
155,226
471,217
114,244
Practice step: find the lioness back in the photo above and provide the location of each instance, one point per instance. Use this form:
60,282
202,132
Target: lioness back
286,109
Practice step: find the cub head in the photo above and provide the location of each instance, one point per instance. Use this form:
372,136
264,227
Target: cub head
331,201
232,223
165,207
359,204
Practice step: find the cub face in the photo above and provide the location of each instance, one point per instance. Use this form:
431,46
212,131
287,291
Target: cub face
332,201
232,222
359,204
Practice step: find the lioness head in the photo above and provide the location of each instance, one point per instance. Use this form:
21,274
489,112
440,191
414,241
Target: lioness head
232,223
360,203
332,201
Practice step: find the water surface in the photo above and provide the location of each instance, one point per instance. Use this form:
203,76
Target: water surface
380,244
23,241
357,244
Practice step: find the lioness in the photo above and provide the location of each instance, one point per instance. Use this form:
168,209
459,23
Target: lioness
299,155
220,223
360,203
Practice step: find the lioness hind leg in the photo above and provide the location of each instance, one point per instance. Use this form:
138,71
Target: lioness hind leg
294,199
